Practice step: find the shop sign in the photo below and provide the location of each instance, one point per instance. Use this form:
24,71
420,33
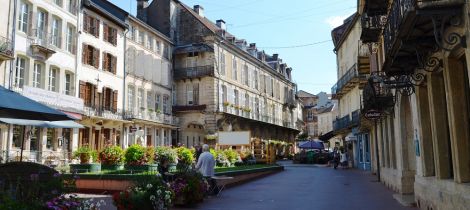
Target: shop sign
54,99
373,115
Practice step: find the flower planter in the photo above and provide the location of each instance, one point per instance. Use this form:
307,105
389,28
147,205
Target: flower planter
142,168
114,167
83,168
172,167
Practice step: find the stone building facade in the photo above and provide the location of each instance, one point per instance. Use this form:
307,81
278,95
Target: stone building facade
221,82
419,83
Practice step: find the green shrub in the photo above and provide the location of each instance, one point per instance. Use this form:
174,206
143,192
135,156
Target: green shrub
165,154
232,156
135,155
85,154
149,154
111,155
185,158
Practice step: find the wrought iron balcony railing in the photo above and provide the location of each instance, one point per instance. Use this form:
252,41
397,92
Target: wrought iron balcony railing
371,27
6,49
151,115
194,72
189,108
399,10
341,123
103,112
347,81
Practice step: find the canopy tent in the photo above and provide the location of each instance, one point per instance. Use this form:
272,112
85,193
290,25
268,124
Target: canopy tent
45,124
313,144
15,106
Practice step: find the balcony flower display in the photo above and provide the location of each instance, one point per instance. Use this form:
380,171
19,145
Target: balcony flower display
111,158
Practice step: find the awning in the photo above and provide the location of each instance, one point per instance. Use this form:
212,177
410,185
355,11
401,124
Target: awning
327,136
14,105
44,124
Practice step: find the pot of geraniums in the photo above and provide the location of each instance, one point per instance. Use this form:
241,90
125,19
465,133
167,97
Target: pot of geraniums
88,158
185,158
167,159
111,158
189,188
139,158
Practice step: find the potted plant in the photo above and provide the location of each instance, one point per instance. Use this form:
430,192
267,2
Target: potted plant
137,159
111,158
151,194
226,103
185,158
88,158
189,188
167,159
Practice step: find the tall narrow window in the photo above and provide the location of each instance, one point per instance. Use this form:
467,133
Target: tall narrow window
245,74
70,47
165,104
23,17
196,94
224,94
58,2
55,36
140,98
256,80
234,68
159,47
68,84
20,72
222,63
37,75
72,6
257,108
130,95
189,94
141,37
150,42
41,25
52,79
157,102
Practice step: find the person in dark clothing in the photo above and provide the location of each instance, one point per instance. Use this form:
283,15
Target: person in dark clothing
198,151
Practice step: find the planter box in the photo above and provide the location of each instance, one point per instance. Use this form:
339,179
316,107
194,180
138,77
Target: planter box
141,168
116,167
84,168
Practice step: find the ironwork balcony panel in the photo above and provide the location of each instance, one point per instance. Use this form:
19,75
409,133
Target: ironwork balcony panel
103,112
189,108
193,72
348,81
376,6
41,43
6,49
372,27
341,123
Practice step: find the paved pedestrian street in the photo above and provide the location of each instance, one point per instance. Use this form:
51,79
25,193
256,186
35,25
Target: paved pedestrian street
302,187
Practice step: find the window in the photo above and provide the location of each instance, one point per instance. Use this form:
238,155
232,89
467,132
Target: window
150,43
150,101
157,102
256,80
20,72
36,133
271,85
50,137
90,56
72,6
222,63
236,95
24,17
245,74
109,63
70,41
37,75
52,79
18,131
132,34
130,95
141,37
109,34
196,94
56,29
86,92
247,101
58,2
91,25
108,99
224,94
159,47
68,83
166,51
140,98
165,104
189,94
234,68
257,108
41,24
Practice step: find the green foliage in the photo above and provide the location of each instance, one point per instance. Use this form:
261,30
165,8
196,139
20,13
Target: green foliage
189,187
232,156
302,136
165,154
185,155
85,154
135,155
149,154
151,193
111,155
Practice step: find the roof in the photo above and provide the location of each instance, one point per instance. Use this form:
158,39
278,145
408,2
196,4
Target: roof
304,94
325,110
340,33
108,9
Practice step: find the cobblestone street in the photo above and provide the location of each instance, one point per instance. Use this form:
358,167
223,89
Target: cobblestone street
302,187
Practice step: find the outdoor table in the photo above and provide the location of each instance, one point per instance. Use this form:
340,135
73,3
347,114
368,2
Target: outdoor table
220,184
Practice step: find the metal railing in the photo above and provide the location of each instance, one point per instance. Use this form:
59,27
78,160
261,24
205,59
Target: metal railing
193,72
151,116
47,157
6,47
103,112
341,123
41,38
399,10
351,74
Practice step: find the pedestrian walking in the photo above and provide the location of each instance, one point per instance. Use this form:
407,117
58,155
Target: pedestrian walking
344,159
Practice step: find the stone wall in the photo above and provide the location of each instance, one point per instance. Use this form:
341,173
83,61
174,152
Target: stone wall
432,193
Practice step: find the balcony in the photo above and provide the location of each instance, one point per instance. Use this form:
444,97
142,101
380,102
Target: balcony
348,81
193,72
347,122
103,113
375,6
376,96
290,102
363,57
152,116
189,108
372,27
416,26
42,43
6,49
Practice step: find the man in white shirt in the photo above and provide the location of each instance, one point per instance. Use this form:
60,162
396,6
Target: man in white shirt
206,162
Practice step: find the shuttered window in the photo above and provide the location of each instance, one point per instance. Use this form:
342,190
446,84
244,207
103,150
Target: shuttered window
91,25
90,56
109,34
109,62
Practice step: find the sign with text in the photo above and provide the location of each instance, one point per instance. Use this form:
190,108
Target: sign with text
54,99
373,115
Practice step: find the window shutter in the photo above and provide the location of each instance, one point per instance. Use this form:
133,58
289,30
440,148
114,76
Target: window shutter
114,36
113,64
96,97
86,22
97,28
82,89
105,62
105,101
115,100
105,32
84,53
96,58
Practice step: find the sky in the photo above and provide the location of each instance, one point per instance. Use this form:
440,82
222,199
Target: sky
298,30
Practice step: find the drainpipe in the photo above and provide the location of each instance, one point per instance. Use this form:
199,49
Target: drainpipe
13,36
124,144
377,150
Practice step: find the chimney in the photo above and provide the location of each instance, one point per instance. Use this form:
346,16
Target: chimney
142,9
199,10
221,24
276,56
252,45
252,50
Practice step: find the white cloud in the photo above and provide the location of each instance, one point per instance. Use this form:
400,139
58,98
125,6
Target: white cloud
335,21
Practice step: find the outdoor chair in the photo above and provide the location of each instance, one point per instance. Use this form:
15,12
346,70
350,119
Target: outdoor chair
219,185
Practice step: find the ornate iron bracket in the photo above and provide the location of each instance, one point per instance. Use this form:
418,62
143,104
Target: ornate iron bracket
442,20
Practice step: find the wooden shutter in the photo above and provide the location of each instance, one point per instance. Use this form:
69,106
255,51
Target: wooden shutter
96,58
86,22
82,89
115,100
105,101
105,62
84,53
96,29
114,36
113,64
105,32
96,96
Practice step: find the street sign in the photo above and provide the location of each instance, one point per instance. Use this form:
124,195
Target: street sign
373,115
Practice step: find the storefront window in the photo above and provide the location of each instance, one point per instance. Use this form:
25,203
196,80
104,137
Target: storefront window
50,137
35,134
18,132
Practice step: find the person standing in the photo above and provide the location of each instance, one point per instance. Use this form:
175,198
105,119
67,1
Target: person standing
206,162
